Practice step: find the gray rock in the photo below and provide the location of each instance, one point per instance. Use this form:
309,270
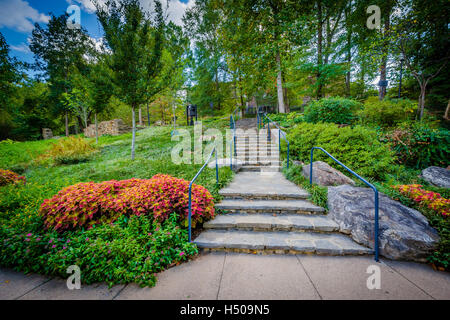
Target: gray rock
325,175
237,164
437,176
297,163
404,232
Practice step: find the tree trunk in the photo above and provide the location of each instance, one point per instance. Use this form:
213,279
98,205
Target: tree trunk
281,107
148,114
96,128
133,139
349,51
319,48
422,101
141,123
383,67
447,111
66,116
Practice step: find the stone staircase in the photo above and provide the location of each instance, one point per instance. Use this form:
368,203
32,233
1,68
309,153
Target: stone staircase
266,213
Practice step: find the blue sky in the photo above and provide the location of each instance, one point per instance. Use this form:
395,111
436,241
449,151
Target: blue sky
17,18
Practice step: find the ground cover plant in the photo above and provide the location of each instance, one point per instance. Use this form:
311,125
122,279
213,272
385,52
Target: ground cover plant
9,177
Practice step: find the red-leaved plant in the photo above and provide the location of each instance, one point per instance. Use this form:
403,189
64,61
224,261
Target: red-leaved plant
86,204
9,177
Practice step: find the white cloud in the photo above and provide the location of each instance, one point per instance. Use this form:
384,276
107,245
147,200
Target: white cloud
23,47
175,10
19,15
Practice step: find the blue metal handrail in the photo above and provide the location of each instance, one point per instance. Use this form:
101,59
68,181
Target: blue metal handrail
279,136
193,180
233,142
376,240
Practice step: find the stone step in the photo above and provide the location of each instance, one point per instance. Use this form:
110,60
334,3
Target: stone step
270,206
255,162
258,153
267,222
255,168
279,242
230,194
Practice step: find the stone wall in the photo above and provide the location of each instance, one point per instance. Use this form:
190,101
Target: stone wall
47,133
113,127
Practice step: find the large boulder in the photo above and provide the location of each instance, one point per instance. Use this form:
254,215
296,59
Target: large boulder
325,175
437,176
404,232
237,164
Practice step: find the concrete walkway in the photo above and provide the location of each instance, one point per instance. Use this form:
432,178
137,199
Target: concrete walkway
245,276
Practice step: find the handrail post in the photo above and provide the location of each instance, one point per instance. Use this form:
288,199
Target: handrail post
217,167
287,154
279,140
190,210
311,166
377,247
268,130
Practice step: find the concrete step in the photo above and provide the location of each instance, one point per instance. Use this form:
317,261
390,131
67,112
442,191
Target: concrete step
267,222
255,168
270,206
279,242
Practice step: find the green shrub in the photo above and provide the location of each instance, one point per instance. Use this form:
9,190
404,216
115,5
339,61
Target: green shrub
87,204
387,113
332,110
318,194
67,151
358,147
286,120
419,146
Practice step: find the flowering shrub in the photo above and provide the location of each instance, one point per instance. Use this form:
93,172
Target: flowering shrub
67,151
86,204
9,177
430,199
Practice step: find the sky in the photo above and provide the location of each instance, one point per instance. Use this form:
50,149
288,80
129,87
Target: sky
17,19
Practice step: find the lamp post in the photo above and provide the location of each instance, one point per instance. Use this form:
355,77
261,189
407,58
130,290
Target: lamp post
400,83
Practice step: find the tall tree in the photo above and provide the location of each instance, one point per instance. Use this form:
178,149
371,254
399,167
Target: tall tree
136,44
57,50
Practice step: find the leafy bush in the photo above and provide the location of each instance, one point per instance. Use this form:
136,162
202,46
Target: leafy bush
357,147
419,146
67,151
318,194
9,177
387,113
440,258
332,110
430,199
130,250
286,120
86,204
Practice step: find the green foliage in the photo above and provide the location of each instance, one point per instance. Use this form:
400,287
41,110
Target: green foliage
333,110
135,255
67,151
388,112
418,145
318,194
286,120
358,147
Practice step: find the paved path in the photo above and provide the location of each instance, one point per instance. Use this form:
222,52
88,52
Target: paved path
243,276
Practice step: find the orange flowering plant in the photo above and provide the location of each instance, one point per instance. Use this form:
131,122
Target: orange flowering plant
86,204
430,199
9,177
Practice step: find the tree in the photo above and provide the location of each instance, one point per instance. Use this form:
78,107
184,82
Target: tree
136,44
421,36
9,76
57,50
